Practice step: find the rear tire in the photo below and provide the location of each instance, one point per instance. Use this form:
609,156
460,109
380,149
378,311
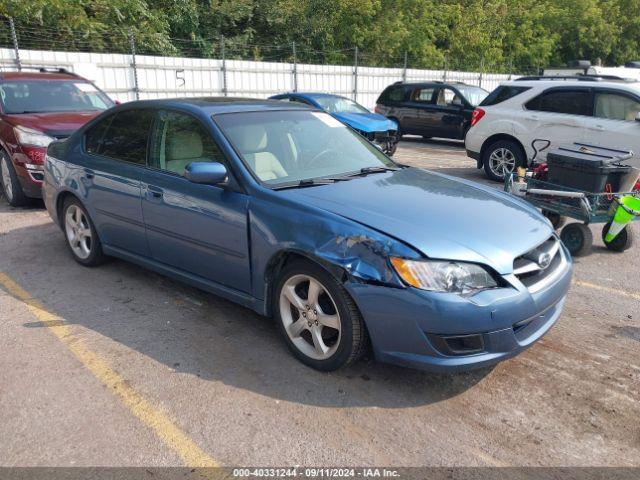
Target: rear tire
578,239
323,330
80,234
11,187
502,158
623,241
556,219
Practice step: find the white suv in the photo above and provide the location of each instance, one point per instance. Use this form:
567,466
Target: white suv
599,111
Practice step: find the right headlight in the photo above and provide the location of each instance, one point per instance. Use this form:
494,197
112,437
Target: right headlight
443,276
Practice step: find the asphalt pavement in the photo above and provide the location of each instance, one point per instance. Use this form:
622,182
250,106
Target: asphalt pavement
119,366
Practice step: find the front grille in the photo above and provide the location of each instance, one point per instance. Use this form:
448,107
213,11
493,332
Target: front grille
538,267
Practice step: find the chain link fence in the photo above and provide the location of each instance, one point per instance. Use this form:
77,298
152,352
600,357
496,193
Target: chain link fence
139,66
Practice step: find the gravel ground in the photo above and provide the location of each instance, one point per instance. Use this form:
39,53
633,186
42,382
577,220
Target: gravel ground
118,366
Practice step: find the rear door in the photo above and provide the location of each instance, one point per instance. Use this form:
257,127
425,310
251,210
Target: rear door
558,115
421,117
449,113
199,229
614,121
114,161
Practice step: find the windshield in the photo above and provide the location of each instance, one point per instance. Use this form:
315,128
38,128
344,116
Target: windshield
339,105
43,96
284,147
474,95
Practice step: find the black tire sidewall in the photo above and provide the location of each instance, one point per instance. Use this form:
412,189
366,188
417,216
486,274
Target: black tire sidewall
96,256
622,242
513,147
584,232
345,348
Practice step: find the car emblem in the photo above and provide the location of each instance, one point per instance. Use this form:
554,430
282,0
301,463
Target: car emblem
544,260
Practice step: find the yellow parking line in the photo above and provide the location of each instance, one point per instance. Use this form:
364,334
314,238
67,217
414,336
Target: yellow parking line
158,421
615,291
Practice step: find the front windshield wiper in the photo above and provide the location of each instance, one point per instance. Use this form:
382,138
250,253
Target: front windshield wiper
367,170
309,182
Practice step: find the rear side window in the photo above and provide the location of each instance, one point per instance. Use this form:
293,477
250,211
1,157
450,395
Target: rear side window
94,136
423,95
502,94
393,94
125,138
571,102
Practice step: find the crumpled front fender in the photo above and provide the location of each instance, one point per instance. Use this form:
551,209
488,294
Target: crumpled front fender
331,240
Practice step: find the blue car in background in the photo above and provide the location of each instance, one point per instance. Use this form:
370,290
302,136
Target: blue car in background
287,211
375,127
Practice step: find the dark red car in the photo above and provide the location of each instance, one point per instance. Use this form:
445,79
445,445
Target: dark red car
35,109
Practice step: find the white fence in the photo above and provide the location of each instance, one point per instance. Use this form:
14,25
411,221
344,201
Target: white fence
155,77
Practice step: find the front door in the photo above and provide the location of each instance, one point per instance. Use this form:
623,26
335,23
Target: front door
199,229
614,123
113,163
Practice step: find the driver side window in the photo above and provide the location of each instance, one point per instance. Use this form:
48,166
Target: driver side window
179,140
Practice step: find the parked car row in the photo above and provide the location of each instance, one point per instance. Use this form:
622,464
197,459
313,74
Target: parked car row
281,207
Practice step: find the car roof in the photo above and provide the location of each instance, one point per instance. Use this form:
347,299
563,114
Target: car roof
44,76
218,105
431,83
633,86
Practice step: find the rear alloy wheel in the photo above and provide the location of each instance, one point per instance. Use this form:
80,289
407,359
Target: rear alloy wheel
318,319
81,235
502,158
10,185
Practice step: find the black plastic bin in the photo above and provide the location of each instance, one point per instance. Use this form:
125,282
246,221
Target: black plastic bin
588,168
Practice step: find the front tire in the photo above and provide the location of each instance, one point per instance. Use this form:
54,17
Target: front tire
501,158
11,187
80,234
318,319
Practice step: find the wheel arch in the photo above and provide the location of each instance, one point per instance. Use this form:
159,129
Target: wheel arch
495,138
59,204
280,259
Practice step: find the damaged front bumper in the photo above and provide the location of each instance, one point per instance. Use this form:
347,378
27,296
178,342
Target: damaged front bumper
443,332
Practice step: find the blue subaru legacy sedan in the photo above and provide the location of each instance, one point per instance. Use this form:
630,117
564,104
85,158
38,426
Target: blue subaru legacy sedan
375,127
285,210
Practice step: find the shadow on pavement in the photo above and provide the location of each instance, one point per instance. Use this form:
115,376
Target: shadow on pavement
197,333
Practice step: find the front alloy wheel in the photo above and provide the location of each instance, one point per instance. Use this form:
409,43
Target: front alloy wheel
10,184
318,319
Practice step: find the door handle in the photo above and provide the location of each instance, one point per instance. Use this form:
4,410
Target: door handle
89,174
533,117
600,128
155,192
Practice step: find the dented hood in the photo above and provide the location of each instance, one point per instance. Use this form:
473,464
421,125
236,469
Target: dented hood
442,217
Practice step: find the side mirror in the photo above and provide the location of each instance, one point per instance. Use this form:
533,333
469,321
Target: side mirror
207,173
